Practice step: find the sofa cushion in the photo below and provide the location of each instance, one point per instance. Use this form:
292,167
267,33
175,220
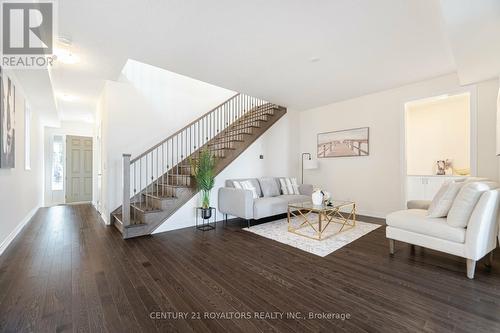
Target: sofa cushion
254,181
416,220
289,186
269,206
295,198
466,200
442,201
269,186
247,185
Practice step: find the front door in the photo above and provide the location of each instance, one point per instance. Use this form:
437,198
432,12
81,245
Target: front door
79,169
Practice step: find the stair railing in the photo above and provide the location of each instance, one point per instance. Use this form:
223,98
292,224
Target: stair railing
164,166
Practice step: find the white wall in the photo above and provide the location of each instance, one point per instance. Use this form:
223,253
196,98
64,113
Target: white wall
487,92
498,122
376,182
438,129
21,190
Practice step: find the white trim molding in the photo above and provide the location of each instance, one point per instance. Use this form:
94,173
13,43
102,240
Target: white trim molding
5,244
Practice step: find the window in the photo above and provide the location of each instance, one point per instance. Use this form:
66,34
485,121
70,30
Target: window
57,163
27,137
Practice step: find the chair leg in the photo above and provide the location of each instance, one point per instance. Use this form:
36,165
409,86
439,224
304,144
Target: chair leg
471,268
248,223
391,246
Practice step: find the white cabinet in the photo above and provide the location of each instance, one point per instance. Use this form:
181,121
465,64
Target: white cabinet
425,187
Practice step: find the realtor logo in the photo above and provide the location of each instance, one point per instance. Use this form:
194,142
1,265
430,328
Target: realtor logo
27,28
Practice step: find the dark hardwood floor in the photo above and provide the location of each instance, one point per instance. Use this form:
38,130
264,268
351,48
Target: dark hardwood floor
66,271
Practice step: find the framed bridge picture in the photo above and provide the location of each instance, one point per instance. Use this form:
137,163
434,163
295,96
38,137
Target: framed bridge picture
351,142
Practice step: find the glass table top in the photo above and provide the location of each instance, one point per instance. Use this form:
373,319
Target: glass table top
335,204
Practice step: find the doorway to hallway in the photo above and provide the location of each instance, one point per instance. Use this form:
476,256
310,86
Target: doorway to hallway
78,169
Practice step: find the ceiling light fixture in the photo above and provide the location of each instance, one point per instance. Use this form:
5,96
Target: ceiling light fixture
64,53
66,56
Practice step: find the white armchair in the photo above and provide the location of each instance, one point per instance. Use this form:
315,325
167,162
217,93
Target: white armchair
472,242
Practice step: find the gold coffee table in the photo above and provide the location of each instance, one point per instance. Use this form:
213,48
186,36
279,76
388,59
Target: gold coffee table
326,215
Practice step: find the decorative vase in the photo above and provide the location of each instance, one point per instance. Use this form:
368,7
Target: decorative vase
317,197
206,213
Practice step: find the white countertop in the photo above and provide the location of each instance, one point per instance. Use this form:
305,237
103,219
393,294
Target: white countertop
454,176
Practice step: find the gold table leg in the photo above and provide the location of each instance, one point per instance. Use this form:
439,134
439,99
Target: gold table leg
347,220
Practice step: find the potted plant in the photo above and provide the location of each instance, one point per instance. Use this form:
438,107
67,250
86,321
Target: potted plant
204,175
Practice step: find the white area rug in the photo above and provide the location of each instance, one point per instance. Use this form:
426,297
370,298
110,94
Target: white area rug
278,231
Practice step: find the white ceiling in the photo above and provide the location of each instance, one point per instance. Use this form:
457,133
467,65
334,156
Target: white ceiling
37,85
262,47
474,32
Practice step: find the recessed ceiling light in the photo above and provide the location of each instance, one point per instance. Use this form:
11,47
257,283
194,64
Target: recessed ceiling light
66,56
314,59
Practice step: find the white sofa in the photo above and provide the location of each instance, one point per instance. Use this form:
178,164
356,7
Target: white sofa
270,201
472,242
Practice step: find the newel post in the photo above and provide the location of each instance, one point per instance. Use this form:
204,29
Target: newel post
126,190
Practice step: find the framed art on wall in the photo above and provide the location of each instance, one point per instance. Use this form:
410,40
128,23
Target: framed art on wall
351,142
7,122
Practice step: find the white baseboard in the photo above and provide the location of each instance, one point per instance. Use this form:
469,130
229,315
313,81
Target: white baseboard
104,217
18,229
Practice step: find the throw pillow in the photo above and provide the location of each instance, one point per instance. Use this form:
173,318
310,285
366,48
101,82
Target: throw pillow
269,186
284,189
289,186
247,185
295,186
466,200
442,201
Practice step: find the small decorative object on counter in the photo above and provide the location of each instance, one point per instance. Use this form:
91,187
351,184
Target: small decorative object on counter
443,167
448,167
440,167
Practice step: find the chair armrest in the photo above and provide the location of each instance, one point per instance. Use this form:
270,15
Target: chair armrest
418,204
482,229
306,189
236,202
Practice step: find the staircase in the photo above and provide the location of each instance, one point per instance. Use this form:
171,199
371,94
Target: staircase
159,181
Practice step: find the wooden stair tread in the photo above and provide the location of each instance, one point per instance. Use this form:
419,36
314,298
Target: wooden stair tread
216,141
233,135
223,148
160,196
170,185
243,126
145,209
133,223
240,131
251,120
